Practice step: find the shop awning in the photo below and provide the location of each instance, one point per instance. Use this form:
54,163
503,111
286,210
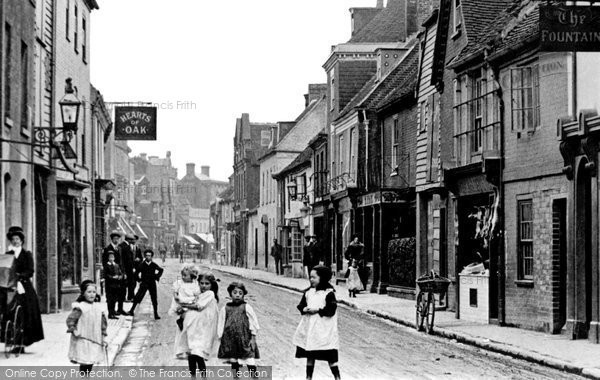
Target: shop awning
125,226
207,238
141,232
190,239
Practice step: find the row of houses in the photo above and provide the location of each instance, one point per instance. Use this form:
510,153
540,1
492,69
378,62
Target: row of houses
172,209
446,135
59,161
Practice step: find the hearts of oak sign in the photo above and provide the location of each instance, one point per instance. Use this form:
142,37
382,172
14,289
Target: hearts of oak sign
569,28
135,123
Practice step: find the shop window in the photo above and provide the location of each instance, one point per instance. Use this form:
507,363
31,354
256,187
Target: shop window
525,98
525,240
296,244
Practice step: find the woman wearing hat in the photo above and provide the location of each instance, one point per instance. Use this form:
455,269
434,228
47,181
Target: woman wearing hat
23,291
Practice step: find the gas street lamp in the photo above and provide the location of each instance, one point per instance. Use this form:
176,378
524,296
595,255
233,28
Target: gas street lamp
69,108
292,190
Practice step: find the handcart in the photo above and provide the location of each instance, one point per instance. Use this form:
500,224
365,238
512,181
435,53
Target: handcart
429,286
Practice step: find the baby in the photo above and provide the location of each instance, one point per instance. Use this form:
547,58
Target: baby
185,291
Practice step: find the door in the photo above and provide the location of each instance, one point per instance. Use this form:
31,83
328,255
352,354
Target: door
266,246
256,247
41,246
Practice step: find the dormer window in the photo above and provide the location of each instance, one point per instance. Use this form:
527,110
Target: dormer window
457,16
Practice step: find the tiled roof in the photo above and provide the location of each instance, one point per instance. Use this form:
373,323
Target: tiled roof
400,81
302,160
389,25
517,22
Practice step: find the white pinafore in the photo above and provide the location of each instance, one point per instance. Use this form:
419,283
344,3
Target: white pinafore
86,341
315,333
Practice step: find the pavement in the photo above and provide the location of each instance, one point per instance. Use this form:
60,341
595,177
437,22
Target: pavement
54,348
556,351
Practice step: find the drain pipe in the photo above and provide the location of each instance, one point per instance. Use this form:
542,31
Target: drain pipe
501,269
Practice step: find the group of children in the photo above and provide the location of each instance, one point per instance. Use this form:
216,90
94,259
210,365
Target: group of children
203,329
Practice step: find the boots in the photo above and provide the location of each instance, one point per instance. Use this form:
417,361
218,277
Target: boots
132,309
156,316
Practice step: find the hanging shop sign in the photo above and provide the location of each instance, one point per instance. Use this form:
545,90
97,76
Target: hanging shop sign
569,28
135,123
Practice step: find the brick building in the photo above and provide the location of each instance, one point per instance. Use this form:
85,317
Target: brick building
16,122
287,143
354,70
251,142
498,99
155,186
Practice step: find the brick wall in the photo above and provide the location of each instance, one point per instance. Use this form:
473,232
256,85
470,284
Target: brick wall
532,307
526,151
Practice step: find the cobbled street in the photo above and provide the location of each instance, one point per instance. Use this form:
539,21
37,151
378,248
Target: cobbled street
370,348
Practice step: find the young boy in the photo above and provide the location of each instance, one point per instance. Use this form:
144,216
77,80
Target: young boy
113,282
148,273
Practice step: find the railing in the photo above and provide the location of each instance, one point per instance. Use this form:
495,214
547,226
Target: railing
470,145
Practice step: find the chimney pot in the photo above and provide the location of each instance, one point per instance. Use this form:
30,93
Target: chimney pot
205,170
190,169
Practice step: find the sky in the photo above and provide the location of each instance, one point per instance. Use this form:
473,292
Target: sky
204,63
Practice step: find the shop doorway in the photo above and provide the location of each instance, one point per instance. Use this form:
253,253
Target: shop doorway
474,243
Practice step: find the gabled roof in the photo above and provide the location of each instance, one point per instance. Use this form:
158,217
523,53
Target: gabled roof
389,25
477,16
399,82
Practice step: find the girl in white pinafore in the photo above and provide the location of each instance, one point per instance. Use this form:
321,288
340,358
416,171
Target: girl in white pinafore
316,337
87,324
198,338
185,291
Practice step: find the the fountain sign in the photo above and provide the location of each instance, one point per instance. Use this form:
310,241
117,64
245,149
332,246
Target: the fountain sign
135,123
569,28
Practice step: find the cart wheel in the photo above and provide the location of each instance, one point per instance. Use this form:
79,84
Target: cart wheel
421,310
430,315
418,312
18,333
8,338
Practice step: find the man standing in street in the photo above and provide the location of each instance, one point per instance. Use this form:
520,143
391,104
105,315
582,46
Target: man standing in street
127,266
277,253
112,247
148,273
137,251
178,252
119,290
315,253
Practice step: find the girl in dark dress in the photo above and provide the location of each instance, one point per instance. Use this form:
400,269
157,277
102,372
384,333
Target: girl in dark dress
24,294
237,330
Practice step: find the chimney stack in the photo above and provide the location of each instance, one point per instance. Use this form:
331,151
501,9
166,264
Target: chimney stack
143,156
379,4
190,169
205,170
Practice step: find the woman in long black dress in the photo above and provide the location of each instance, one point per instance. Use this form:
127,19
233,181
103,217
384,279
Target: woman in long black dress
24,294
